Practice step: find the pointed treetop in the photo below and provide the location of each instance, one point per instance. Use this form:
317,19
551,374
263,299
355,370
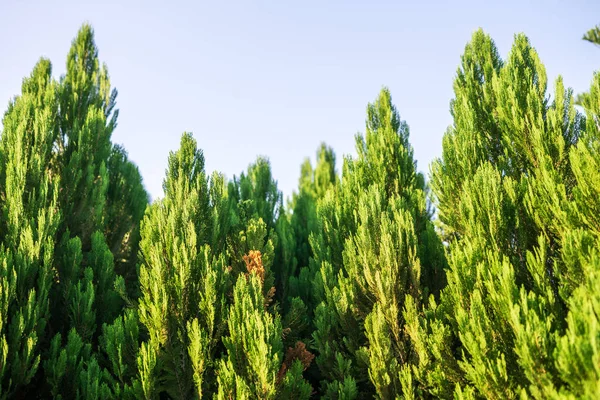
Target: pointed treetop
325,173
385,156
88,79
186,163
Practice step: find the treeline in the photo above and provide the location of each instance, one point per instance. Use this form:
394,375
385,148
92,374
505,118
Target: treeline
354,289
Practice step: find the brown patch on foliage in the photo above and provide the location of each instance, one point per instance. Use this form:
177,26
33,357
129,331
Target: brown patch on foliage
269,296
298,352
254,264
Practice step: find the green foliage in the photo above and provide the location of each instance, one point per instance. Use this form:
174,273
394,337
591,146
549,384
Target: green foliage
313,186
86,124
254,346
100,260
120,346
376,247
183,284
28,223
593,35
255,194
218,290
520,232
126,202
57,270
223,213
66,364
294,387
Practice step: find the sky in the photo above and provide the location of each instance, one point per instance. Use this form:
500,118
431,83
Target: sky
277,78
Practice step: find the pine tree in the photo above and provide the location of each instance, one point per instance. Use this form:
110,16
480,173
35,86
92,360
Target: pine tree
223,213
59,277
250,219
254,366
28,223
521,251
255,194
502,301
254,347
87,120
256,201
183,283
312,186
578,230
90,195
376,246
86,292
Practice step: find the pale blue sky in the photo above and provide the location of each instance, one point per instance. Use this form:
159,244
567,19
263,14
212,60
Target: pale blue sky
276,78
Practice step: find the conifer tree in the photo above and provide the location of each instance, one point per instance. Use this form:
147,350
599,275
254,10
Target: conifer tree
119,345
313,185
83,294
521,251
233,288
376,246
101,195
87,120
183,284
28,223
261,239
53,179
223,213
254,366
579,232
255,201
255,194
254,347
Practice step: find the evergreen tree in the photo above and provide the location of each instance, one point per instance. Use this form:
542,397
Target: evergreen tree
87,120
255,194
101,197
119,346
183,283
29,220
312,186
256,201
500,302
254,347
521,251
223,213
254,365
86,291
55,145
376,246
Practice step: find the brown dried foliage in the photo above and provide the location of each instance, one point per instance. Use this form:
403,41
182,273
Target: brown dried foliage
254,264
269,296
298,352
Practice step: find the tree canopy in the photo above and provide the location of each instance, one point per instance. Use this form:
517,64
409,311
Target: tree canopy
373,280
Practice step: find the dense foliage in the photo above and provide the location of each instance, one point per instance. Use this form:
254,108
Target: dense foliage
482,283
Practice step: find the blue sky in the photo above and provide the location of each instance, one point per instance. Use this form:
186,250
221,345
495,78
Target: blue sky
276,78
